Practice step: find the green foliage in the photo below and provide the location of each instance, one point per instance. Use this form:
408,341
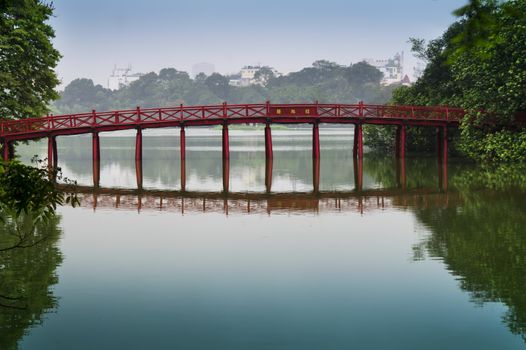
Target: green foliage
478,64
27,190
27,275
324,81
27,78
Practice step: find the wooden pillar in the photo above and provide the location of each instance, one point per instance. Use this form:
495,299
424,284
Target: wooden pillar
138,158
183,175
358,141
226,175
52,154
401,178
444,145
138,173
95,150
358,173
138,145
400,141
315,141
443,159
5,150
268,142
268,174
226,148
439,143
316,175
182,141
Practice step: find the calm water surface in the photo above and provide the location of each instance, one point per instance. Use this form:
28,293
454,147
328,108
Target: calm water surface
417,264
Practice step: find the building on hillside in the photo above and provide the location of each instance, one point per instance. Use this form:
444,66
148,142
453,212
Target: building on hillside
247,76
206,68
121,77
392,68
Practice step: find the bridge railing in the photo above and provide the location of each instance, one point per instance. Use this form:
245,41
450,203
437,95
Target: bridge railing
183,114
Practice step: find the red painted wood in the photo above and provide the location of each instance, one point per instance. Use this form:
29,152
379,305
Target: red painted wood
268,142
72,124
138,173
225,144
182,141
316,174
226,175
444,145
5,150
439,143
401,177
401,133
95,144
358,173
52,154
183,174
138,145
268,174
358,141
315,141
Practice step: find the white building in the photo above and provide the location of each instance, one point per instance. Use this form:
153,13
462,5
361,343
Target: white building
392,68
121,77
247,76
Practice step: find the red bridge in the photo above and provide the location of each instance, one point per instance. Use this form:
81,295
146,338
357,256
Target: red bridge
225,114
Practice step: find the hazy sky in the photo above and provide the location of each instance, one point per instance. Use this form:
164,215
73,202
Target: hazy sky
95,35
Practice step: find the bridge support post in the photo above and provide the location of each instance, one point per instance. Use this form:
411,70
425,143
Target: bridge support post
443,158
182,143
358,141
183,175
316,175
358,173
315,141
268,175
138,158
444,148
401,178
226,147
226,175
95,150
52,154
400,141
138,145
439,143
268,142
5,150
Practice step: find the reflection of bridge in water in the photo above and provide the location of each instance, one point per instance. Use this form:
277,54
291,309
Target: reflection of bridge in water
251,202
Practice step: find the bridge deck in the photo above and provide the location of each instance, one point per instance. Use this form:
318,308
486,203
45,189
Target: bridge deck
71,124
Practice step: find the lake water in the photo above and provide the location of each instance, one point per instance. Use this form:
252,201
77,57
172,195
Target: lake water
421,262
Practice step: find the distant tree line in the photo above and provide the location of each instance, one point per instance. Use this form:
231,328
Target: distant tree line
325,81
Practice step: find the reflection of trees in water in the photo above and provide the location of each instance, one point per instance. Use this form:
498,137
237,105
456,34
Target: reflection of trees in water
480,238
483,241
26,276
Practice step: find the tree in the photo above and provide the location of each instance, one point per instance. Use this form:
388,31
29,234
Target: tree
218,84
27,59
478,64
362,73
264,75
